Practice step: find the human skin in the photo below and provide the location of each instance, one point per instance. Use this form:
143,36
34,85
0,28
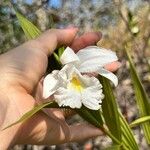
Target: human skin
21,70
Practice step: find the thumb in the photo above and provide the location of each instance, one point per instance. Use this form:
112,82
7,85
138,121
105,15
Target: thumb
51,39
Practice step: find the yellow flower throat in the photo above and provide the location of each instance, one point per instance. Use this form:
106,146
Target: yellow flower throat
76,84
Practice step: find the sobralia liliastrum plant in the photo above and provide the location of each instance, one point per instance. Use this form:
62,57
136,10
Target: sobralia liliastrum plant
73,85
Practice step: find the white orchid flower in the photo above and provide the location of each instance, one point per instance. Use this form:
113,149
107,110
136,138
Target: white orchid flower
91,59
70,88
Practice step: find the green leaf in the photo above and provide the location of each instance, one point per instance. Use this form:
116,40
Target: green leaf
97,115
127,135
87,114
142,99
95,118
148,63
58,54
30,30
56,57
32,112
110,109
60,51
139,121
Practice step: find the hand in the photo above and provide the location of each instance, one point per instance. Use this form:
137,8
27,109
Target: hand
21,69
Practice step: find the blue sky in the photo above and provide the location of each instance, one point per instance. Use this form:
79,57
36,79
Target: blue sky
52,3
55,3
29,1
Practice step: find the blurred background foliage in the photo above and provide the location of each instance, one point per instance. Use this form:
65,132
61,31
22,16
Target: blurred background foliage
124,23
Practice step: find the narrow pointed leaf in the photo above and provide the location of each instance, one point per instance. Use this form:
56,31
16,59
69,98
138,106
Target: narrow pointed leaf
88,116
60,51
56,57
143,102
32,112
30,30
98,116
148,63
139,121
110,109
127,135
127,138
58,54
96,120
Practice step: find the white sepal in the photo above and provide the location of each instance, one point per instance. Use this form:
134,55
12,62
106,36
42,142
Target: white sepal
68,56
50,84
93,52
109,75
93,57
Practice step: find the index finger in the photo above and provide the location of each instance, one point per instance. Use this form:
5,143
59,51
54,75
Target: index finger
87,39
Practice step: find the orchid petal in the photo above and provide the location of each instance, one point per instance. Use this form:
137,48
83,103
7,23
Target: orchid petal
68,56
109,75
99,61
66,74
66,97
91,81
50,84
92,96
88,68
63,72
68,70
92,52
92,57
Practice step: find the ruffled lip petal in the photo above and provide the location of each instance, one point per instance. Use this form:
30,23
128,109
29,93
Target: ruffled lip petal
92,95
66,97
68,56
92,100
109,75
